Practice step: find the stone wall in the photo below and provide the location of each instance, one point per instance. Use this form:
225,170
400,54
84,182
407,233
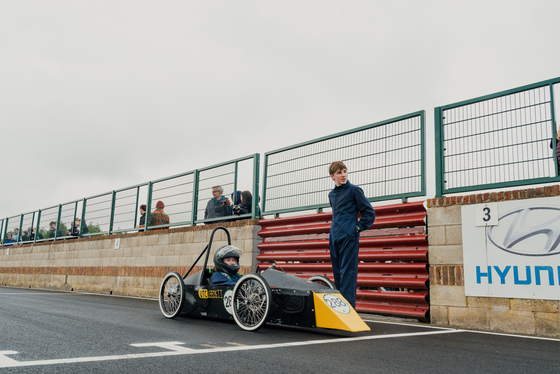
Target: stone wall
448,304
135,268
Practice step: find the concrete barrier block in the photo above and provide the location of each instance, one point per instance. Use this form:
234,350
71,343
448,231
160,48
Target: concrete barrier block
447,296
445,254
470,318
547,306
454,235
439,315
245,232
162,239
199,236
512,322
444,216
152,240
189,237
436,236
548,324
488,303
177,237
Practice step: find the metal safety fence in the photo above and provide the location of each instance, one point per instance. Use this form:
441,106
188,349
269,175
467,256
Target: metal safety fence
499,140
185,198
386,159
393,269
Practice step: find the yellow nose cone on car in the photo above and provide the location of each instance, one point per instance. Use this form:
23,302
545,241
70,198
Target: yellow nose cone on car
332,311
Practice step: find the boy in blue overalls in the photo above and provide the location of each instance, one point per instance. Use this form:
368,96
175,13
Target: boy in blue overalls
347,200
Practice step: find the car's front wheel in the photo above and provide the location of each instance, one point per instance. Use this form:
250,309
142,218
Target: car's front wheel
251,302
172,295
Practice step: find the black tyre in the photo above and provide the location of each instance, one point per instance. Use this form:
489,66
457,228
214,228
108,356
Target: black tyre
251,302
322,280
172,295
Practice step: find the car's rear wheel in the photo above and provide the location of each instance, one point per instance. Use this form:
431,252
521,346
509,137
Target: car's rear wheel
172,295
251,302
322,280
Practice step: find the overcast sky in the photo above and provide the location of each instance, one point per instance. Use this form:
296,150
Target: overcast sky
100,95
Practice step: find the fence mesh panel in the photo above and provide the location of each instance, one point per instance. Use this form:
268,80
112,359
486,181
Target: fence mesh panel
383,159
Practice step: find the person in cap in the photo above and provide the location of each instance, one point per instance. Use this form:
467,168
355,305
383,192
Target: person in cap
158,216
226,266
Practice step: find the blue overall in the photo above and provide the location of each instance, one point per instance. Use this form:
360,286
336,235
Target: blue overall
220,278
347,201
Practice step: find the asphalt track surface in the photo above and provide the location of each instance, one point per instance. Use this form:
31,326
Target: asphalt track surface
59,332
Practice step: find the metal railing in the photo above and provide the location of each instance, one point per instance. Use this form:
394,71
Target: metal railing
499,140
386,159
184,195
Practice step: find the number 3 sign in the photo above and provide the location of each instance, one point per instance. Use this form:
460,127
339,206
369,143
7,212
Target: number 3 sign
486,214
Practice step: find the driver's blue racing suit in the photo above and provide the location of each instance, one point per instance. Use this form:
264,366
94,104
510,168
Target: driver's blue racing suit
219,278
347,201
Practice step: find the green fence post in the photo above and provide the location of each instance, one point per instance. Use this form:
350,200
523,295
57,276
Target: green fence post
148,206
265,172
31,226
58,221
554,129
113,195
136,208
20,236
37,227
235,172
438,129
256,174
195,197
84,222
75,215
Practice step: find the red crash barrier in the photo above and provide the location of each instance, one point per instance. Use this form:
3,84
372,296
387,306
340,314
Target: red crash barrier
393,269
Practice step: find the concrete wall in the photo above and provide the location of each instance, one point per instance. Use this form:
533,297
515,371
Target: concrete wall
136,268
448,304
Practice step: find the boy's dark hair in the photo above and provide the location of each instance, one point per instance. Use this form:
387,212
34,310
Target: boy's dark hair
143,207
336,166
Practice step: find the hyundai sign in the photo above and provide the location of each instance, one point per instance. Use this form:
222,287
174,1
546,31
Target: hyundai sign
511,249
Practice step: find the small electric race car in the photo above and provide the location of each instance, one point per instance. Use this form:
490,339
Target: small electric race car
269,297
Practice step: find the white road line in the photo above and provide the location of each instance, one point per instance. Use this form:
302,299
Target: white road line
175,349
473,331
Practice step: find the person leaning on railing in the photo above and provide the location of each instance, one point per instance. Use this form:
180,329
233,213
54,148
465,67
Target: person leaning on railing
557,147
218,206
142,222
8,240
158,216
77,227
32,235
53,233
246,205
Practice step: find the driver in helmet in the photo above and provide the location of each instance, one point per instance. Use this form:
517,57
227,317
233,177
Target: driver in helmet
226,265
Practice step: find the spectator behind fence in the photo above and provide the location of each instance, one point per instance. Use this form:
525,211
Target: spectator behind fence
53,233
158,217
77,227
347,200
219,206
142,222
9,239
246,205
25,236
16,235
557,148
32,235
237,199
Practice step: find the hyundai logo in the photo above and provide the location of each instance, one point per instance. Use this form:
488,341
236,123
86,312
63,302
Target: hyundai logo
531,231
